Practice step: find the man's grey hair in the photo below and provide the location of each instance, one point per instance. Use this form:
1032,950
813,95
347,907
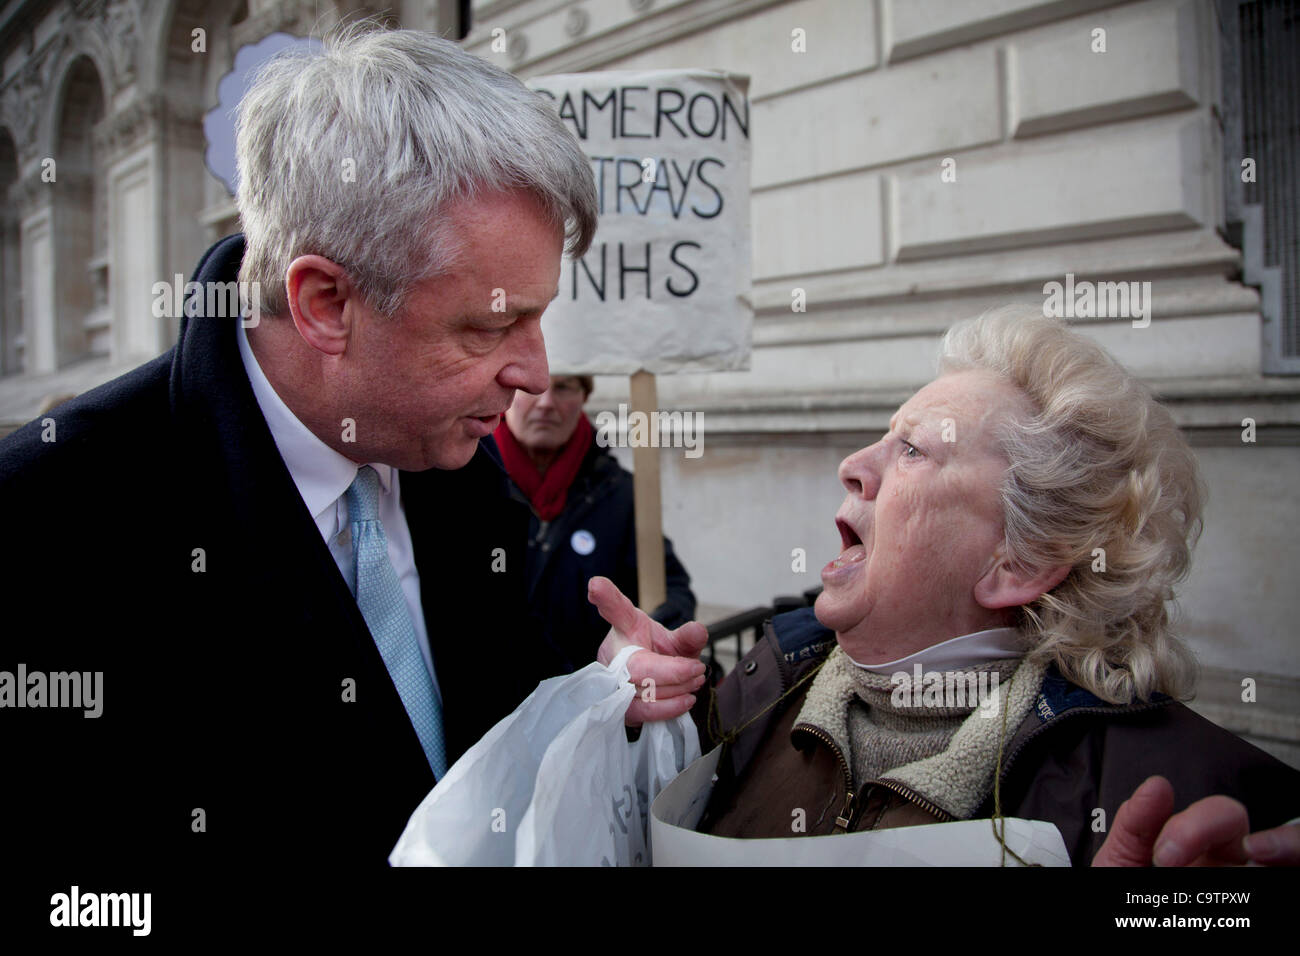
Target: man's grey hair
351,152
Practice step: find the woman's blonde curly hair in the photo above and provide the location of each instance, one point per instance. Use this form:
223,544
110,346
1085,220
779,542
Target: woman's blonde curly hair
1100,479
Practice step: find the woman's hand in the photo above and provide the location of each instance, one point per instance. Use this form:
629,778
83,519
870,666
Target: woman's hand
666,676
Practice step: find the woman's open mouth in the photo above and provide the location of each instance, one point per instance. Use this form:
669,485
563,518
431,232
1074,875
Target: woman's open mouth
852,551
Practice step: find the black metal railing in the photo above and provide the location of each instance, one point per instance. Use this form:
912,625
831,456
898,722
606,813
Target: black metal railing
750,623
737,625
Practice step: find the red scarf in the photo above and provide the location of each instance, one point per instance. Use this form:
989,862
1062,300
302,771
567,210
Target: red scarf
547,494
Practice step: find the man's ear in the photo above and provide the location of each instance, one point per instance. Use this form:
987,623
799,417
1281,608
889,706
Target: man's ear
1005,585
319,291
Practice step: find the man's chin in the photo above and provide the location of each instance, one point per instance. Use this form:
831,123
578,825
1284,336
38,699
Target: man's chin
461,456
447,457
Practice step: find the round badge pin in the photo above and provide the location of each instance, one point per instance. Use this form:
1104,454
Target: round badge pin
584,542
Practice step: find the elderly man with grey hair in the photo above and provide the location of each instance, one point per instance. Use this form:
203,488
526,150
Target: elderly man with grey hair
274,554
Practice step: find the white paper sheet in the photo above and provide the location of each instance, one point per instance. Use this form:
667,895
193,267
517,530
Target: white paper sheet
678,809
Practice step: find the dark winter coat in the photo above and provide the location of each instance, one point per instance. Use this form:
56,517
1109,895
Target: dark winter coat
247,713
598,518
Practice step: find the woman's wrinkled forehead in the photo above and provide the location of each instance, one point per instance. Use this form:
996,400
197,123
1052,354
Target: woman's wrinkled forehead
965,406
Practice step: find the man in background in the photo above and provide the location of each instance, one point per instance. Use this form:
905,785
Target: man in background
581,523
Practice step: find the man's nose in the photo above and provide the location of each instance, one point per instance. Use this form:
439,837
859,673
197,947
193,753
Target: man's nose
860,472
528,369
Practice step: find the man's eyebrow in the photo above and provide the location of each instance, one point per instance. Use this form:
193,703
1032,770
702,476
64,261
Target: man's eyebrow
554,295
519,310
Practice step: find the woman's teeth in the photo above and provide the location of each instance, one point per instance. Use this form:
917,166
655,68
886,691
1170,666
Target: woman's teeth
850,555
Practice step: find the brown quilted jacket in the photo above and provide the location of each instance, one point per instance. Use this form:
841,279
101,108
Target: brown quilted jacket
1072,755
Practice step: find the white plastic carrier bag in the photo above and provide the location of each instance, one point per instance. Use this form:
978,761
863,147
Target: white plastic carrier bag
555,783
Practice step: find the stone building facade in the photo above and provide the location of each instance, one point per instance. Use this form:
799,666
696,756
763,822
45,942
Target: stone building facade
915,161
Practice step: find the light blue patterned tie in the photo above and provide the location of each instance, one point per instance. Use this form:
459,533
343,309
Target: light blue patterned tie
382,604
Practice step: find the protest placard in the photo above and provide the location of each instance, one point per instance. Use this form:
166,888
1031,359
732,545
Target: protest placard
665,286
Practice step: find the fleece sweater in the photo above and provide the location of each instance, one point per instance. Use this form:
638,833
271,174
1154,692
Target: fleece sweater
933,742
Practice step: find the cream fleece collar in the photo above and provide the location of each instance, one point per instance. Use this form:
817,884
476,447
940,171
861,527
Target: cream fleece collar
959,778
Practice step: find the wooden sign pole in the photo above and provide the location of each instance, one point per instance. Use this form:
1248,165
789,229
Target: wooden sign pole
647,504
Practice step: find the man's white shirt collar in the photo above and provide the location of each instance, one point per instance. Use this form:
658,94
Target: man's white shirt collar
322,477
321,473
968,650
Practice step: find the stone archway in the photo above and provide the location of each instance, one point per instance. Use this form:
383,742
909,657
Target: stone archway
79,218
11,304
